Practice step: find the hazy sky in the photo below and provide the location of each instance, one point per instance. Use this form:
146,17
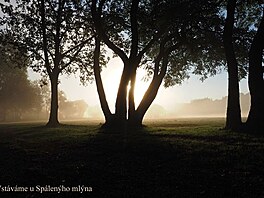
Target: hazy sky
214,87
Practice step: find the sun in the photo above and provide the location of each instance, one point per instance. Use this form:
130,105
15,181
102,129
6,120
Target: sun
111,79
141,85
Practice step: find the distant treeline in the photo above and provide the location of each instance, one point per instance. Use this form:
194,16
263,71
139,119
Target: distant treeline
209,107
22,99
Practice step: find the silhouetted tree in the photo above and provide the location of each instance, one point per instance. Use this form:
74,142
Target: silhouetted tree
54,35
239,34
233,115
176,36
255,119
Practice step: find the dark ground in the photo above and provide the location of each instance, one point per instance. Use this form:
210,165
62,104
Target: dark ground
175,158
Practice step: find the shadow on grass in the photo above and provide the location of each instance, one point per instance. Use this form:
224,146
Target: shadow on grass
148,162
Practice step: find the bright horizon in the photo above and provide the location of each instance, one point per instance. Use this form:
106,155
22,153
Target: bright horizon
214,87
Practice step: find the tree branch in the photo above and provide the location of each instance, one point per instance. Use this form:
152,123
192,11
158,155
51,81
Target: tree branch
134,28
96,15
44,35
76,46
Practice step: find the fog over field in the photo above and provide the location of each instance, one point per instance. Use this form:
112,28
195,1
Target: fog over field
31,101
204,107
193,98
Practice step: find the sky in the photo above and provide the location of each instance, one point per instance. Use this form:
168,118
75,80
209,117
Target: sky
213,87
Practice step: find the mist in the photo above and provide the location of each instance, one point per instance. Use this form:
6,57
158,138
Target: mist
79,109
204,107
31,101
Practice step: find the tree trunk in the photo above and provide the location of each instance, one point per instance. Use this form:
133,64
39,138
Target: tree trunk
53,117
233,115
255,119
131,97
151,93
121,99
99,84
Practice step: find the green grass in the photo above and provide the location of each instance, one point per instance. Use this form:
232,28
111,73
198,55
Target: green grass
168,158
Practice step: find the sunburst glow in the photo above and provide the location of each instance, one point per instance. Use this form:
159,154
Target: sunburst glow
112,79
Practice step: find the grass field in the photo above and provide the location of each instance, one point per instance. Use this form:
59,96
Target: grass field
168,158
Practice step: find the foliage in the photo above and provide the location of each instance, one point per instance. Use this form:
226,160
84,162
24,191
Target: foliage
17,93
168,38
248,15
21,98
195,29
63,32
55,35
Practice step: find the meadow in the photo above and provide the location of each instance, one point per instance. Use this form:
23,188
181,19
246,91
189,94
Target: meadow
167,158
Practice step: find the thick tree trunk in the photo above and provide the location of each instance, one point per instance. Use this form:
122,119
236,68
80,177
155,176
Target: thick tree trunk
233,115
121,99
120,117
118,120
255,119
53,117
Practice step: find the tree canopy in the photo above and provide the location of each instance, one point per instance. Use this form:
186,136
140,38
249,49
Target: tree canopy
17,93
54,35
168,38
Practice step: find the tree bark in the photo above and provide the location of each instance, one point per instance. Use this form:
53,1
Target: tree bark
255,119
233,115
53,117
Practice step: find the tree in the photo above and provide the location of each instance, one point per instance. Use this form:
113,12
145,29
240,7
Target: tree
54,34
233,115
255,119
73,109
68,109
239,34
176,36
17,94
